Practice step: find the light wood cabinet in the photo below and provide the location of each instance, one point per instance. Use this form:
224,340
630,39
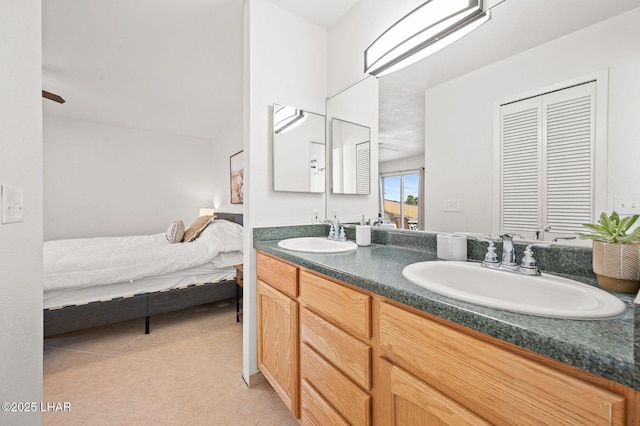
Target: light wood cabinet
278,330
493,383
338,347
413,402
347,308
338,355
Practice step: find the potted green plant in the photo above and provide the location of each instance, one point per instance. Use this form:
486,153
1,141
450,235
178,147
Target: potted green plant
616,252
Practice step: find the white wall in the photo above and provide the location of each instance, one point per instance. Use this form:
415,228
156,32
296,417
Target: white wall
285,62
459,118
21,243
101,180
226,142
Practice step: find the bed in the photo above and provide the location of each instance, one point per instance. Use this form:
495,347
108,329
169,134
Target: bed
91,282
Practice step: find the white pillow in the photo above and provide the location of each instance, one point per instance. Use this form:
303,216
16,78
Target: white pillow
175,232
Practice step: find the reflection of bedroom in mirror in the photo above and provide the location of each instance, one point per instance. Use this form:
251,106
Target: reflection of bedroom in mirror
350,158
298,150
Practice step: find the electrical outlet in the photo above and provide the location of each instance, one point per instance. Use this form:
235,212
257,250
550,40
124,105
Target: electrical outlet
334,215
12,204
315,216
627,205
452,205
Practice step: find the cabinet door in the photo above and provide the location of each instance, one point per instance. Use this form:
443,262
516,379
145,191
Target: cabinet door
410,401
493,382
278,343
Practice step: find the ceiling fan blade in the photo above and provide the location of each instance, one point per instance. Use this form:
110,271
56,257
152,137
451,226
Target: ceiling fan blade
52,97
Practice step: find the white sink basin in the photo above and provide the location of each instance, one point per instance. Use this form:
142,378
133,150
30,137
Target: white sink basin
545,295
317,245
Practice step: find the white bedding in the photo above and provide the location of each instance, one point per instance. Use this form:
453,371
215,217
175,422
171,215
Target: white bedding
86,262
207,273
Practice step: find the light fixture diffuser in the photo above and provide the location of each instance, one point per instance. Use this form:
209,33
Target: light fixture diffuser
427,29
286,118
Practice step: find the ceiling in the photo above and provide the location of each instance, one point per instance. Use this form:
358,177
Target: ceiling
515,26
323,12
173,66
177,66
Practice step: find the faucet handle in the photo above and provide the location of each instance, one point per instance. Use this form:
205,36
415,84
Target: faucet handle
490,258
483,239
528,265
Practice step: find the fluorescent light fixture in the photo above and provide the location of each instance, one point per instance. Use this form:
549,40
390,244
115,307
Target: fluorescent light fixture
287,118
430,27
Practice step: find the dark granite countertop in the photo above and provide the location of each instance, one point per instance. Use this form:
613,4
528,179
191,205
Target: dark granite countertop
603,347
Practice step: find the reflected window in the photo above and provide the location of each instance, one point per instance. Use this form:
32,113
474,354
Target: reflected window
401,200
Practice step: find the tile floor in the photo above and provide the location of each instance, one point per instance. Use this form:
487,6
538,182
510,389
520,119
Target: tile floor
188,371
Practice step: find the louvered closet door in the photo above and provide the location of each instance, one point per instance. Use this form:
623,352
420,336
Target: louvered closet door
547,162
568,146
521,167
363,167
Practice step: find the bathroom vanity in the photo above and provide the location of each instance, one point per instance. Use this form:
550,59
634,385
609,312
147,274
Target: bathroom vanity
344,339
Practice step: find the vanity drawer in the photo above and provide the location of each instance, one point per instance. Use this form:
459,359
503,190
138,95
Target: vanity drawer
316,410
348,309
349,355
278,274
493,382
342,394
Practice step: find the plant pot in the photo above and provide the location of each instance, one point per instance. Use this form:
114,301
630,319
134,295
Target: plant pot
617,266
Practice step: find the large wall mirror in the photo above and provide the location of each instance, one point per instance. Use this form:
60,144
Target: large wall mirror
352,123
350,157
299,150
459,100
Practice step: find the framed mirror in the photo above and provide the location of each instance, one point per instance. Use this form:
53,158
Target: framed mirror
350,157
299,150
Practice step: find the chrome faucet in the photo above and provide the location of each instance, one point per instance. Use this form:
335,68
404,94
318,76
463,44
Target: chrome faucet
508,252
528,264
336,233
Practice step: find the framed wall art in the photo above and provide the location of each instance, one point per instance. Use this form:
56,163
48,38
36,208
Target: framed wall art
236,162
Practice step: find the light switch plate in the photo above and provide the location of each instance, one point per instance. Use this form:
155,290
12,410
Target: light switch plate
627,205
12,199
452,205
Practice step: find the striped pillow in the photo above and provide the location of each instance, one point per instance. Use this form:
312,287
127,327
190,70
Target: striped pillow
196,228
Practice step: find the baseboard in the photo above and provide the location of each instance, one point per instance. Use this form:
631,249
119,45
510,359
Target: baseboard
254,379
